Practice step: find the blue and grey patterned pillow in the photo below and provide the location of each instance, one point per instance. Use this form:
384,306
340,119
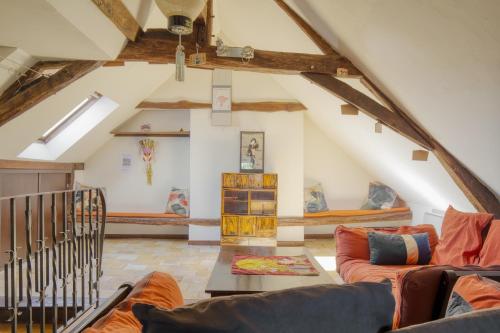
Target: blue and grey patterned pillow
392,249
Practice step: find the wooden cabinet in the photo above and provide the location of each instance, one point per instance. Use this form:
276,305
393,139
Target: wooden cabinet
249,209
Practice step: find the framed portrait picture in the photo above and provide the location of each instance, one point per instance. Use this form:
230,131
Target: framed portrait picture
252,152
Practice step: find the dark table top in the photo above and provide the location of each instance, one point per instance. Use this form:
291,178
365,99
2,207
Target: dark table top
222,281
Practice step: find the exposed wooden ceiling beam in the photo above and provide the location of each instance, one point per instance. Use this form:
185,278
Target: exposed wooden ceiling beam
320,42
177,134
44,88
158,46
367,105
209,22
481,197
202,26
121,17
179,105
262,106
32,76
268,106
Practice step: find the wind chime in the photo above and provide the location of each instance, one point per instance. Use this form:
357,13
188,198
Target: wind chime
147,149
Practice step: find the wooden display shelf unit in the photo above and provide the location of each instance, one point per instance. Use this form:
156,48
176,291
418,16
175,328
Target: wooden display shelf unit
249,209
182,134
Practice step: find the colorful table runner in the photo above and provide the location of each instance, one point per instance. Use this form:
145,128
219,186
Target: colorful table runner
272,265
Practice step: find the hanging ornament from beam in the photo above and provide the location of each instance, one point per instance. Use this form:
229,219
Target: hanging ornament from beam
180,59
197,58
378,127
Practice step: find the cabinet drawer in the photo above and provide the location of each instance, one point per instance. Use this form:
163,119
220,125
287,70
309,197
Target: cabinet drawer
270,180
266,226
229,180
247,226
230,225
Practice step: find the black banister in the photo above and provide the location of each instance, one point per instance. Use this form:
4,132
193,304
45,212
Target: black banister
54,264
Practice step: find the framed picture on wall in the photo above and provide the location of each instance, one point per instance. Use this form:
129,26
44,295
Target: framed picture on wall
252,152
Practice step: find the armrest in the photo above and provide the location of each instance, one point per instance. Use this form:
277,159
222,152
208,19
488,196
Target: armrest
416,292
91,315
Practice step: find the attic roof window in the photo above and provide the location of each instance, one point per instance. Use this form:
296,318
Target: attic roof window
70,117
71,128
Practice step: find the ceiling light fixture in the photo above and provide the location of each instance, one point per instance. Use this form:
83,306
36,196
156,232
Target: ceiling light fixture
180,15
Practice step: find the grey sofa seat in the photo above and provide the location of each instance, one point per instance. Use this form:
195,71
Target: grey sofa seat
478,321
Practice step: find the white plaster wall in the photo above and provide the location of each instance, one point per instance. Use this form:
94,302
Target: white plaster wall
344,181
127,191
215,150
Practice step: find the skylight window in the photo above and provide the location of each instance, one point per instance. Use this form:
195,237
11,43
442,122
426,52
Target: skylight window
71,128
70,117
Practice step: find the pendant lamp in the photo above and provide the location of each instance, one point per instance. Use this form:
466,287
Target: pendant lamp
180,15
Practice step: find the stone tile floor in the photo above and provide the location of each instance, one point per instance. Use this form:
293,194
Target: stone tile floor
130,259
127,260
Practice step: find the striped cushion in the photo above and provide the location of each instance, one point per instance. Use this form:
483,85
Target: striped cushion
388,249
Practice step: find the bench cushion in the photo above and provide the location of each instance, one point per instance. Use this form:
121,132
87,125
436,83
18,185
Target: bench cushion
356,212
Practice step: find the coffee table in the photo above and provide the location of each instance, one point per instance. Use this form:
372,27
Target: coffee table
222,282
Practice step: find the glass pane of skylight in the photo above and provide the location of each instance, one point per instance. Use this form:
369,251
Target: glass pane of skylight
67,116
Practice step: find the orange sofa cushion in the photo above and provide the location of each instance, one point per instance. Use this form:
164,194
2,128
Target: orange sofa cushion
477,292
461,238
156,288
490,252
356,212
352,243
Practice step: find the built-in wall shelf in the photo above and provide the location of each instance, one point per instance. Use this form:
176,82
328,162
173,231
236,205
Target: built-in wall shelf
182,134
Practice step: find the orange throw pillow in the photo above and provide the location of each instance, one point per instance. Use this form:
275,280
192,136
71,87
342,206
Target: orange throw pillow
156,288
461,238
490,253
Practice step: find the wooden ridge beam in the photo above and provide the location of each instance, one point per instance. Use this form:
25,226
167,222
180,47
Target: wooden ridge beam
120,16
368,106
262,106
44,88
158,46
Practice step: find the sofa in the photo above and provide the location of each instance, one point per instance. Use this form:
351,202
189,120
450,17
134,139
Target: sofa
415,287
155,304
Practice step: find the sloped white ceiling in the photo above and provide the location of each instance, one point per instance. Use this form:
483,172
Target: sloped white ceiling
59,29
125,85
439,59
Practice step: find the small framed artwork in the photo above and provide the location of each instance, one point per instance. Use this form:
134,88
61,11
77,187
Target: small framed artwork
252,152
